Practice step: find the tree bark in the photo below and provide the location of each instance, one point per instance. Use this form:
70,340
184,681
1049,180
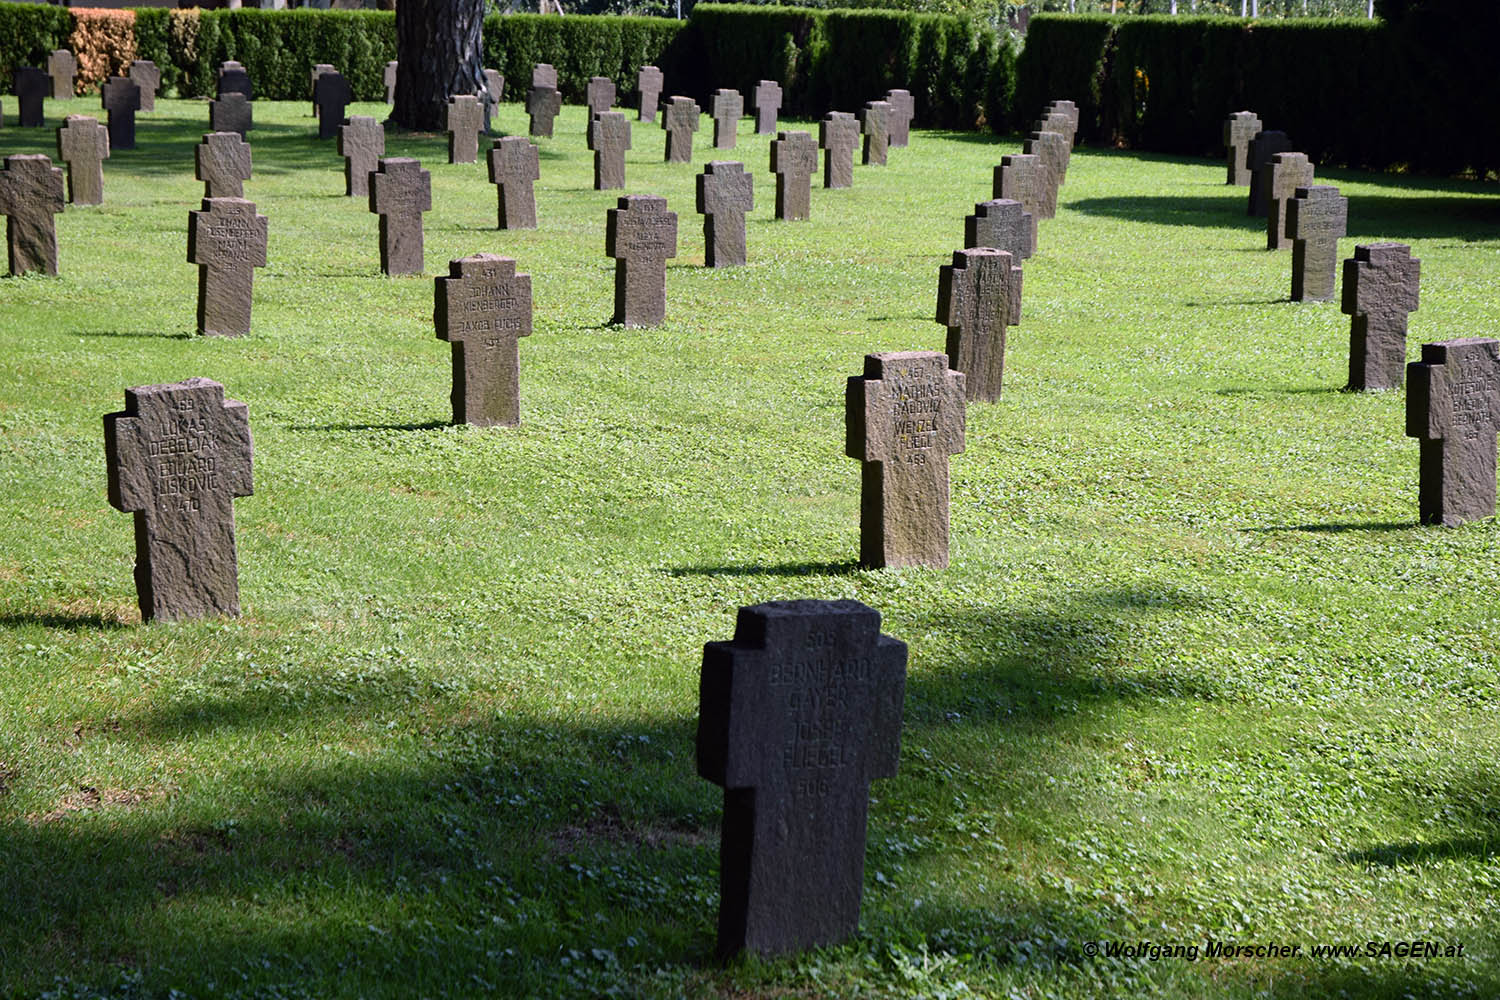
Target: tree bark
441,53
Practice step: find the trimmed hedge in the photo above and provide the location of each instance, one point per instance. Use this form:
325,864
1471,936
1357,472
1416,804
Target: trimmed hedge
279,48
578,46
28,32
1064,59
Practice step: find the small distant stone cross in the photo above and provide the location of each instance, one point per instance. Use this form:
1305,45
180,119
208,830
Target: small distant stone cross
641,235
465,122
222,163
609,137
1051,151
31,86
794,159
230,113
728,107
1055,121
482,307
1382,285
599,95
1315,219
767,97
1004,224
903,109
227,240
1239,129
177,456
903,417
332,96
1019,177
83,144
1453,407
1069,111
1263,145
838,134
318,70
649,82
979,295
361,144
31,193
680,119
148,78
233,79
1284,175
400,191
62,67
514,169
389,79
725,194
544,100
544,75
121,98
494,89
797,716
877,129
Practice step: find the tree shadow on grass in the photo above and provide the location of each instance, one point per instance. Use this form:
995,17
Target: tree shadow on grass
145,334
61,620
1336,527
429,425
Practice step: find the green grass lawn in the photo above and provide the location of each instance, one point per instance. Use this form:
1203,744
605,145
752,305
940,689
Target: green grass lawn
1194,673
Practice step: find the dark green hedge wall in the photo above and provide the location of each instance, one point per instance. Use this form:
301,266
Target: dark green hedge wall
1063,60
279,47
27,33
579,47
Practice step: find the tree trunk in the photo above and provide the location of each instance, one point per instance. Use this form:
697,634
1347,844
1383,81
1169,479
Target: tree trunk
441,53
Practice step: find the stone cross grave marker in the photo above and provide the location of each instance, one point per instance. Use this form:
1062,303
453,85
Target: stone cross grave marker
1453,408
599,95
725,194
1069,111
903,109
1239,129
361,144
389,78
794,159
767,98
148,78
1002,223
494,89
465,122
514,169
177,456
483,307
332,96
62,67
121,98
979,295
1050,149
838,134
1382,285
1284,175
1263,145
227,240
877,129
31,193
1315,219
1019,178
609,137
83,144
1055,121
312,83
797,716
728,106
31,86
230,113
400,191
649,82
641,235
544,101
903,417
680,119
222,163
234,79
544,75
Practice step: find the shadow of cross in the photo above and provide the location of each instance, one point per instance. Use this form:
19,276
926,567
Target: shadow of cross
83,144
979,294
465,121
1284,175
725,194
222,162
1315,219
361,144
767,99
877,128
1001,223
1019,178
599,95
400,191
62,67
1453,408
31,193
121,97
794,159
902,418
641,235
728,107
1239,129
1382,286
649,82
798,714
227,240
838,134
680,119
514,169
331,93
482,307
609,137
177,456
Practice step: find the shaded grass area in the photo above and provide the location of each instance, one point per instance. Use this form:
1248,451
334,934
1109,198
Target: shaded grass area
1195,672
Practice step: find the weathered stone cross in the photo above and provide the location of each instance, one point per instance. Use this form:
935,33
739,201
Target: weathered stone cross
1315,219
609,137
400,191
725,194
31,193
1453,407
794,159
222,163
838,134
514,168
227,240
641,235
1382,284
979,294
482,307
361,144
83,144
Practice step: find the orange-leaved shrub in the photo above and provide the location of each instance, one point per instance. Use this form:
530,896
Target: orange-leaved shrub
104,42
